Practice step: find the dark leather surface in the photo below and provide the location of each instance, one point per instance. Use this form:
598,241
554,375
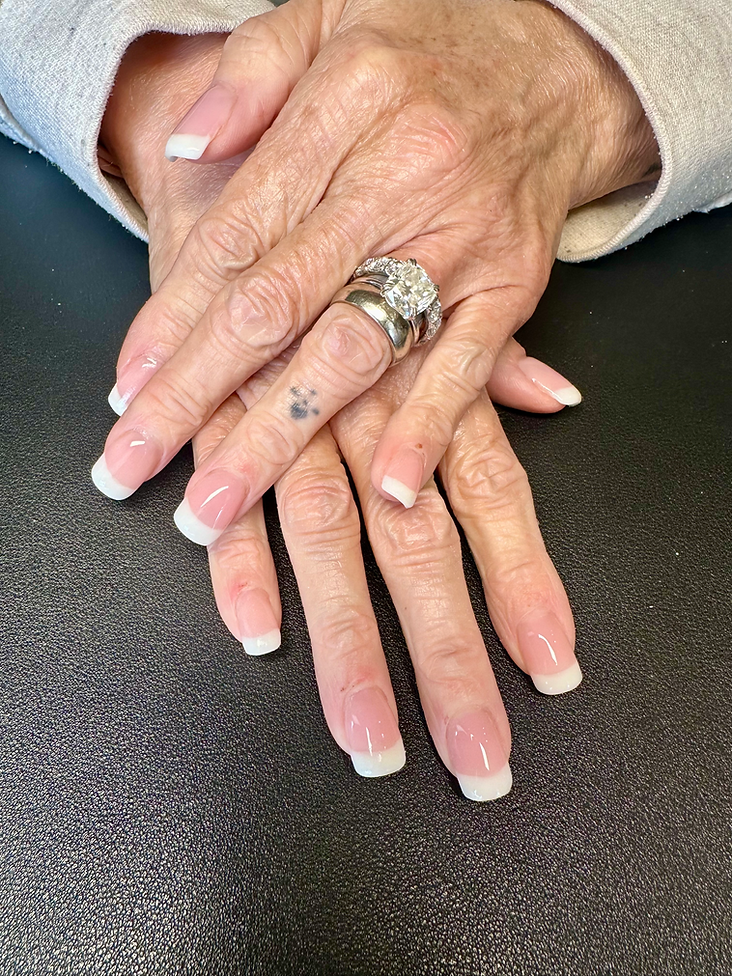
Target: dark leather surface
169,806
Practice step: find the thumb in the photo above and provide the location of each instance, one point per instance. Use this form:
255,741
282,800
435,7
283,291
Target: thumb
262,61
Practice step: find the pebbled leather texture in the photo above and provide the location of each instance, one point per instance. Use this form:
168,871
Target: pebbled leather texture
169,806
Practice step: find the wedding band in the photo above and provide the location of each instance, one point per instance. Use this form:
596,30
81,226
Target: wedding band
400,297
368,298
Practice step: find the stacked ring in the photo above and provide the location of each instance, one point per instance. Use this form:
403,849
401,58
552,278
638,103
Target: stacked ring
400,297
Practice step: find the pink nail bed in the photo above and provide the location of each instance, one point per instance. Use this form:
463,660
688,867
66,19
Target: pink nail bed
548,653
210,505
193,134
372,733
550,381
404,476
130,458
477,757
258,626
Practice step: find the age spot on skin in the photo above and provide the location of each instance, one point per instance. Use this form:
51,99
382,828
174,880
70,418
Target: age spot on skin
300,403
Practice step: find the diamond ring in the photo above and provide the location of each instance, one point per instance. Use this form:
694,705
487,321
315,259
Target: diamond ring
400,297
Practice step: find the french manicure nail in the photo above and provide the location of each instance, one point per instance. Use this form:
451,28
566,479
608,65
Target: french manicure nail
548,653
404,476
258,626
193,134
132,377
372,733
550,381
130,458
477,757
117,402
210,505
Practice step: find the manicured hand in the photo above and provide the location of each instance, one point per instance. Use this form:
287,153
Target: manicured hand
418,551
458,134
419,555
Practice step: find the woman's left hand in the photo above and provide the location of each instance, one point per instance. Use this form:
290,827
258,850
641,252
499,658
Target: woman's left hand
458,134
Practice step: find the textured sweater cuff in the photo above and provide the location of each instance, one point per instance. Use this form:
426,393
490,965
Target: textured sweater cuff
54,103
676,54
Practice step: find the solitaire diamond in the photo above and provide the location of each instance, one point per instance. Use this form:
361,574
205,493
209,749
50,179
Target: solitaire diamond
409,290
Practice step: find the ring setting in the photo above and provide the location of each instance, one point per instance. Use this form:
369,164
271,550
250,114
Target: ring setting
400,297
409,290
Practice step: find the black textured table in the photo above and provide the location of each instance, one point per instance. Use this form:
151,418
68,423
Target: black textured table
170,806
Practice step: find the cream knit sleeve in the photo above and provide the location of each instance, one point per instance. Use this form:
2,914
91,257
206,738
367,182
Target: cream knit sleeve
58,61
678,56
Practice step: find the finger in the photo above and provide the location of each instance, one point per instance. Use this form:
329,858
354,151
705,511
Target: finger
524,383
455,371
242,570
418,552
343,355
335,362
260,64
490,495
276,189
321,528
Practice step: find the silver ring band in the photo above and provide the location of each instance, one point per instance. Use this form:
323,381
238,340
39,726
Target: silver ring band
365,295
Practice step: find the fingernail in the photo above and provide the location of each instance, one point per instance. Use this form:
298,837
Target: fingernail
193,134
374,741
403,478
117,402
550,381
130,458
132,377
548,653
477,757
258,627
210,505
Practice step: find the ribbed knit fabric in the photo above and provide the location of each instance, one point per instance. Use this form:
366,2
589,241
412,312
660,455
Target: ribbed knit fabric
58,60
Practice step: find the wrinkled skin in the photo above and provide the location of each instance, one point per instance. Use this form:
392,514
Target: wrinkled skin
459,134
418,551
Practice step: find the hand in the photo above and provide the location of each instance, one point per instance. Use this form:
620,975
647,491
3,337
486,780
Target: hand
463,147
419,552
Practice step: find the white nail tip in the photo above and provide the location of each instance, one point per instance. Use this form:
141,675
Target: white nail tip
399,491
265,644
380,763
192,527
184,146
117,403
557,684
484,788
570,396
108,485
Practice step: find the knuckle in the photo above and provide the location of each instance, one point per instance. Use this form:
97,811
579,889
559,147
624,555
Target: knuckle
369,69
219,244
414,537
432,129
241,554
346,351
317,506
270,442
489,474
257,316
175,404
447,664
346,635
